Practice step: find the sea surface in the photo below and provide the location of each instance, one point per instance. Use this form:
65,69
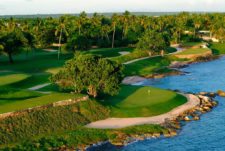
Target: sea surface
207,134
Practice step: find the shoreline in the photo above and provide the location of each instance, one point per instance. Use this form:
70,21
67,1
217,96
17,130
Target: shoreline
114,123
176,66
173,125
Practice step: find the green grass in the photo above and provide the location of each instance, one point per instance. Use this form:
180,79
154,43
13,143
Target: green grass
137,101
9,95
54,120
84,136
191,44
41,61
145,67
33,80
9,78
218,48
15,101
194,51
170,50
108,52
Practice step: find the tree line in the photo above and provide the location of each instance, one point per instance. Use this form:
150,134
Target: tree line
120,30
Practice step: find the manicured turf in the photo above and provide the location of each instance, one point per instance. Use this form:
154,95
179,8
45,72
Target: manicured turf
191,44
218,48
39,62
136,101
9,78
170,50
194,51
108,52
146,66
13,104
10,95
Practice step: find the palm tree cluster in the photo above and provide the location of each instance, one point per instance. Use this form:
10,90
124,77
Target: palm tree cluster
83,32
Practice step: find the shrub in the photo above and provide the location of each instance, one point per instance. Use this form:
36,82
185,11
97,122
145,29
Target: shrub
52,120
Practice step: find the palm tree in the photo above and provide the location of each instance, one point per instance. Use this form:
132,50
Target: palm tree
197,25
61,28
81,20
114,23
125,20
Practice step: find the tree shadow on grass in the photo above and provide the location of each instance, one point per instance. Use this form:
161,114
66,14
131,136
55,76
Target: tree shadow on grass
113,101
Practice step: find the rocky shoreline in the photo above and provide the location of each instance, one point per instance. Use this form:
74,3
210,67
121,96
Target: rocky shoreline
175,66
207,103
173,126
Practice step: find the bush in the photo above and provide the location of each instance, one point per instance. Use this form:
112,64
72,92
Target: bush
78,43
52,120
84,136
103,43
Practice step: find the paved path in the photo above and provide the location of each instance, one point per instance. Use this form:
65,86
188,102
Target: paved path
113,123
39,86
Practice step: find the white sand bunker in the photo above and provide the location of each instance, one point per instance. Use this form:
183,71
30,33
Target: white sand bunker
50,50
39,86
124,52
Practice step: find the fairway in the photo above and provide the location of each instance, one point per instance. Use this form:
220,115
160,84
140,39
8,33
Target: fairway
218,48
145,67
9,78
137,101
15,104
191,44
194,51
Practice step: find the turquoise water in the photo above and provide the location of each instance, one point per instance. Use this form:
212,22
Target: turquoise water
207,134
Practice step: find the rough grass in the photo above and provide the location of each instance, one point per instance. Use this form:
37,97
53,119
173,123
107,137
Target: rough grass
54,120
84,136
136,101
218,48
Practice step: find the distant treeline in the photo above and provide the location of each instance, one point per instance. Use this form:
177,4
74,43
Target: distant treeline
108,14
81,32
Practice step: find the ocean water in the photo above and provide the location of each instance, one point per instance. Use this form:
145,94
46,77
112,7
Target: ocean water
207,134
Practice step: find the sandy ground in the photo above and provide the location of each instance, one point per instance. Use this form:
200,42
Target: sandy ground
124,52
39,86
50,50
135,60
113,123
133,79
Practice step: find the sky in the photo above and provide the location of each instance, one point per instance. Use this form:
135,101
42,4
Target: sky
18,7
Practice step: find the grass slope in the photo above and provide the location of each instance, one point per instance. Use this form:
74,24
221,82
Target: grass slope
137,101
54,120
146,66
218,48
